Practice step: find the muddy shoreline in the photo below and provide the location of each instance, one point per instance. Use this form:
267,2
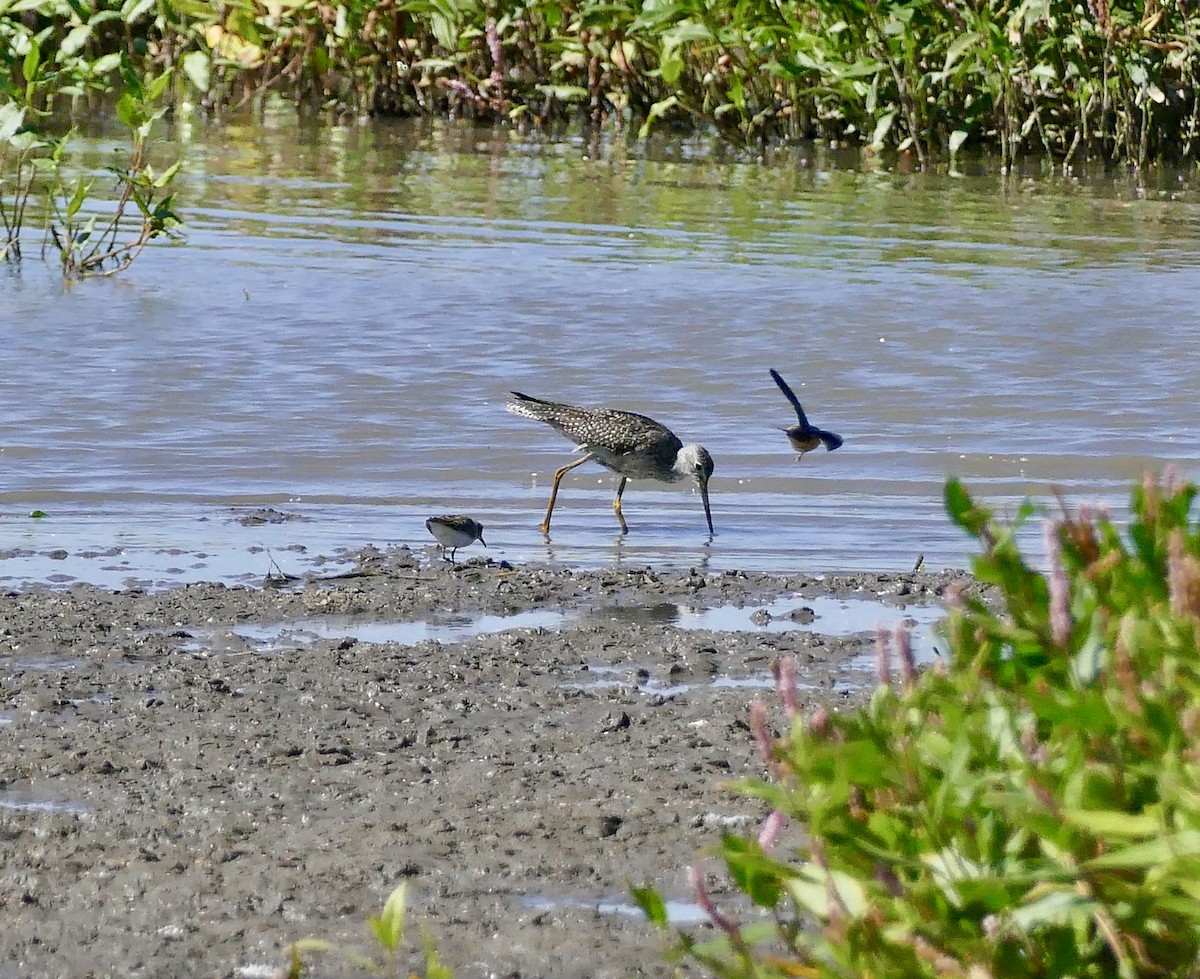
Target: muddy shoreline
181,796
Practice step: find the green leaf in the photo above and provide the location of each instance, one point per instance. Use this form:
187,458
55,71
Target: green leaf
881,128
82,187
106,63
157,86
388,928
434,969
196,69
131,79
167,175
1111,822
564,93
756,875
29,66
23,142
1056,907
11,118
76,38
129,110
960,46
737,92
310,945
685,33
811,888
652,904
671,68
133,9
656,110
1093,654
962,508
1152,853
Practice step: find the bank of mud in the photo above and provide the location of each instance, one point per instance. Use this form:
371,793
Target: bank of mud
186,787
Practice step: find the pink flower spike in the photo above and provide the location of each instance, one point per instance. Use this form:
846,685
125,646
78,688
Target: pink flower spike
1171,480
883,655
1060,588
772,826
696,879
785,683
904,650
762,737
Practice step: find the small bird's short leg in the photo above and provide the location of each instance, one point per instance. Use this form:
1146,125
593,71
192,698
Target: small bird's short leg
617,504
558,475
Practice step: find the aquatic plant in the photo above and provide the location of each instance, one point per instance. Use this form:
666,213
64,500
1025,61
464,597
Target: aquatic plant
388,931
1029,808
926,77
40,69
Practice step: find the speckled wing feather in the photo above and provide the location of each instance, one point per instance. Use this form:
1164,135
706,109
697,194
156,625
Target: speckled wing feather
604,431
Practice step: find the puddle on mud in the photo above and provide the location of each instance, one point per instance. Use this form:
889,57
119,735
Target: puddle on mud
825,616
43,665
610,677
27,799
278,635
678,912
835,617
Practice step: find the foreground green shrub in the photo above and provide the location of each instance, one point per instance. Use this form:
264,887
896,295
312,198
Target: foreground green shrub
1030,808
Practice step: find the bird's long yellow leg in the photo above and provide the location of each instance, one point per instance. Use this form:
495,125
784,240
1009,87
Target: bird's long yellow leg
558,475
617,504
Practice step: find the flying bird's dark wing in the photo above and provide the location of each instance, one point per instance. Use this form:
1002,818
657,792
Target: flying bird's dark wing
831,441
787,393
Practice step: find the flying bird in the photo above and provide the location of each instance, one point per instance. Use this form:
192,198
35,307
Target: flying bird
804,436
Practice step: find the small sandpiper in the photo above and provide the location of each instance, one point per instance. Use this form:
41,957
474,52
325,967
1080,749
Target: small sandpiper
804,437
454,530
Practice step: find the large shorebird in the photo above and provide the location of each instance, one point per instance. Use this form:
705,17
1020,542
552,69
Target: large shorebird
631,445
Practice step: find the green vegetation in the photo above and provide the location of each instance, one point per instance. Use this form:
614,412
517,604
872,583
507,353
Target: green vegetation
1029,808
388,931
1062,78
43,67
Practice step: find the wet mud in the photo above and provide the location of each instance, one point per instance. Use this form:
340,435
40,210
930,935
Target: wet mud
192,779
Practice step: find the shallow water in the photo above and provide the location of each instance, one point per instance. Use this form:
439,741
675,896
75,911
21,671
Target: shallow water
679,913
828,616
338,336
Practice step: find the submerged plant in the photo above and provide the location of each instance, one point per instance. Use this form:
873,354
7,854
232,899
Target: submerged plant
1031,808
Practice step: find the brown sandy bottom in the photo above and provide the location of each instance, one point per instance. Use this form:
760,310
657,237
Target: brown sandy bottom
178,797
